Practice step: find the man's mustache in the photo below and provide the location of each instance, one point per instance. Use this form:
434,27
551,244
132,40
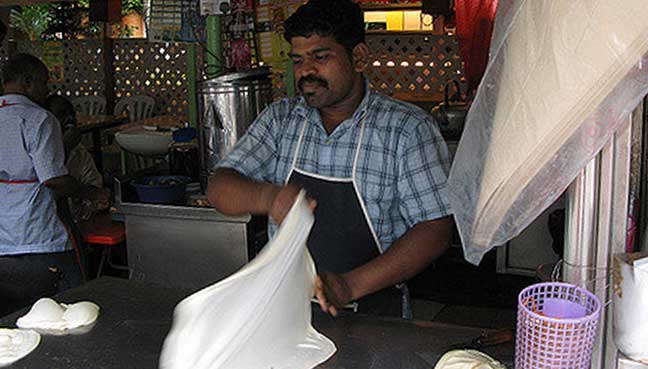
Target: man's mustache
313,80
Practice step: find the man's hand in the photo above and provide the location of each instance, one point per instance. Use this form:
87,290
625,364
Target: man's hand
281,199
332,292
232,193
408,256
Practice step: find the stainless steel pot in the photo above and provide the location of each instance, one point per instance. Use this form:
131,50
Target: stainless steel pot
227,106
451,113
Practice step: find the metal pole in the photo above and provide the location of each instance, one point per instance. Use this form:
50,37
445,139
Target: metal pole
597,211
191,85
624,171
215,63
603,248
580,227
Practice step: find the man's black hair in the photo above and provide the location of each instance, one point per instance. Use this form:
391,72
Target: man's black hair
340,19
21,68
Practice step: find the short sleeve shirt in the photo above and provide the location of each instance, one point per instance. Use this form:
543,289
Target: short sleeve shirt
402,164
82,167
31,152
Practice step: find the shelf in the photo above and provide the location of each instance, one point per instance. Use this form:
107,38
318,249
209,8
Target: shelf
403,6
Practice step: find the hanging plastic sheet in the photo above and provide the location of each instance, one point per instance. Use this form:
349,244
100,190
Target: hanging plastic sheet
260,317
562,77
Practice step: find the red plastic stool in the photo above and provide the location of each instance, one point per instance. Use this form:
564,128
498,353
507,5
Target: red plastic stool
103,231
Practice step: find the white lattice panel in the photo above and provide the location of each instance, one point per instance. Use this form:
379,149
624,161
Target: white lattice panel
154,69
413,64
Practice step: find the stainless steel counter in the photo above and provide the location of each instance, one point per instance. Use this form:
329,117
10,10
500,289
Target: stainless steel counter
183,246
179,212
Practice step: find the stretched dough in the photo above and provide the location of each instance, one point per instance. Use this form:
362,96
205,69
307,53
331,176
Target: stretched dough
49,316
16,344
467,359
259,317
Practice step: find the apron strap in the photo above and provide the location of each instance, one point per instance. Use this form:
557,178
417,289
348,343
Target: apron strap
357,153
299,141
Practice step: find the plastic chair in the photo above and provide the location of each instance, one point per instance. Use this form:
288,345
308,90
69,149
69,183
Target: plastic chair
108,234
137,107
90,105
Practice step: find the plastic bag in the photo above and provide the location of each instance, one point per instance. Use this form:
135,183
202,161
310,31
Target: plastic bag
260,317
631,305
562,77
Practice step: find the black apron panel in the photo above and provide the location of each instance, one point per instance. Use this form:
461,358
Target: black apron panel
340,240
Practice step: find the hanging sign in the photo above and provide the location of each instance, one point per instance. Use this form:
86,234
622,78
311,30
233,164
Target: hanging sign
53,57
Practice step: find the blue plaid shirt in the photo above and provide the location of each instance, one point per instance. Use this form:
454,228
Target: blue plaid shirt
402,165
31,152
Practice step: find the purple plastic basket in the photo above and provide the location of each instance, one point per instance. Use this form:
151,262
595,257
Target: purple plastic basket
556,327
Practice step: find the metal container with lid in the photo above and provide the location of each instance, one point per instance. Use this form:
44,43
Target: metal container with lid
228,104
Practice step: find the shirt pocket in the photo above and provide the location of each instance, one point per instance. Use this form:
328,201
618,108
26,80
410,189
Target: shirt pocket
379,183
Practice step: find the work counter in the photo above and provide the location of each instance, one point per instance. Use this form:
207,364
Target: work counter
135,318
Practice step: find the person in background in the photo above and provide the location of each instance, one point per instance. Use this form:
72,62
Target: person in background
37,257
3,31
76,213
374,167
3,34
78,160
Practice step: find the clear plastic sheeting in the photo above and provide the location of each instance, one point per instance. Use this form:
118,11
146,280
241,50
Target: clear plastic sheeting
260,317
562,77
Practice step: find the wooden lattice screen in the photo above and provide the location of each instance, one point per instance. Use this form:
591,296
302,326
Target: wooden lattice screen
415,65
140,67
83,67
155,69
409,66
